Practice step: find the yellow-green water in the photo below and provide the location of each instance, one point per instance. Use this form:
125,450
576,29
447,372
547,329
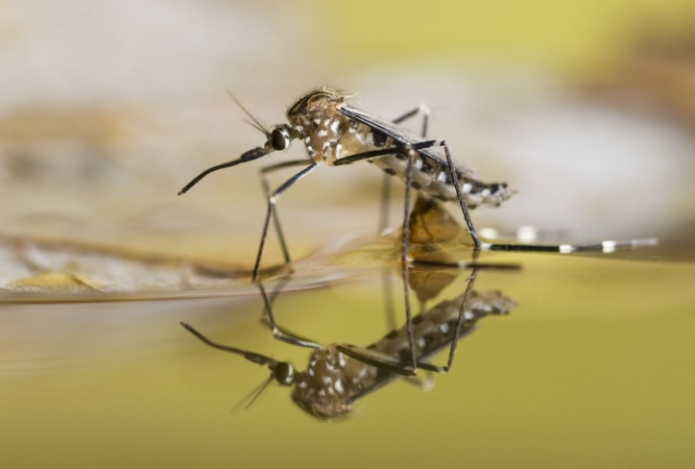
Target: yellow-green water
592,369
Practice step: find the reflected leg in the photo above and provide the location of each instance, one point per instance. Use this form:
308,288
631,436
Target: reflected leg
395,365
281,333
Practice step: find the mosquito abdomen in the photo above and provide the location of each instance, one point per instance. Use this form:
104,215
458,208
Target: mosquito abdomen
434,180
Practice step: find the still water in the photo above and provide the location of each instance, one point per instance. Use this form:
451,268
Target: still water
591,367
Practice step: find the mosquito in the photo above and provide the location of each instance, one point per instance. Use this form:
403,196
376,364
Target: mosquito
340,374
335,133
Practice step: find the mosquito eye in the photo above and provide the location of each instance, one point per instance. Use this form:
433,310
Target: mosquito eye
279,139
284,373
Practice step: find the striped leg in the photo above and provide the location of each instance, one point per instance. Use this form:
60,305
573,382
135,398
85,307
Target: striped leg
423,110
272,200
266,191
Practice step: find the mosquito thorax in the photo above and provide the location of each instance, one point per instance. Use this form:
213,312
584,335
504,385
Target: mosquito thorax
283,372
324,388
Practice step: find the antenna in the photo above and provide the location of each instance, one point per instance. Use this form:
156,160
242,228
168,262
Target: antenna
254,394
254,122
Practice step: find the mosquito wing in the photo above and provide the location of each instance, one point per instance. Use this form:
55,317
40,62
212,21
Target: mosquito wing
401,135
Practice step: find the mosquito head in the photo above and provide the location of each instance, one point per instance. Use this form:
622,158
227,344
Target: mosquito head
283,372
279,138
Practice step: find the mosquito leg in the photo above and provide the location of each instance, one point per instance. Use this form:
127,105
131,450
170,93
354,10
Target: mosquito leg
372,154
424,384
394,365
422,109
385,203
604,246
404,258
272,200
382,361
265,318
266,190
384,212
411,154
386,183
288,333
459,324
387,284
466,214
274,294
282,334
465,265
409,114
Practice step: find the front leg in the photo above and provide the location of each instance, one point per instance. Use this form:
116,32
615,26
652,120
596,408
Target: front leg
266,190
272,200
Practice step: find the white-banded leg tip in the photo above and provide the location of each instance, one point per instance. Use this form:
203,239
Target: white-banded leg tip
639,243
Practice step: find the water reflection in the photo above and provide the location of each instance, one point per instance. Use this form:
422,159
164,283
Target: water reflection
339,374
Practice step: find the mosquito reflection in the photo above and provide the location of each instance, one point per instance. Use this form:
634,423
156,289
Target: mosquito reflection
339,374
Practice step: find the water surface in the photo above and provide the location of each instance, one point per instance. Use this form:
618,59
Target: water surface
592,368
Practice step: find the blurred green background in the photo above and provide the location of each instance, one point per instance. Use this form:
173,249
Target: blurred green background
570,36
